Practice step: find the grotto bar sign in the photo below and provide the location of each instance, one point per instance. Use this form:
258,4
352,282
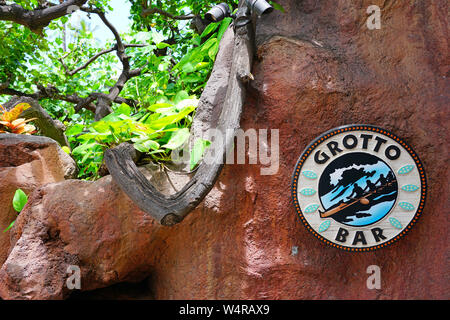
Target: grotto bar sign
358,187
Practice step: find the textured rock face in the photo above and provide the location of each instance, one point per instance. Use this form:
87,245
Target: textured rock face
319,67
27,162
95,226
91,225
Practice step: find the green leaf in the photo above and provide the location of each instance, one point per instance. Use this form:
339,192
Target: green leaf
124,109
201,65
146,145
84,147
213,51
223,27
208,44
188,67
20,200
156,106
111,118
178,139
66,149
101,126
181,95
87,156
277,6
210,28
162,45
190,56
192,78
197,152
74,130
186,103
165,121
197,40
10,226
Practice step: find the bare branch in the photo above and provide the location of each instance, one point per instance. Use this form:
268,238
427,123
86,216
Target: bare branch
52,93
95,57
39,18
103,106
151,11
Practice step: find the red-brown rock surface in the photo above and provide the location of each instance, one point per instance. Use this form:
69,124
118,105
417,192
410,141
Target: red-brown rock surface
91,225
27,162
319,67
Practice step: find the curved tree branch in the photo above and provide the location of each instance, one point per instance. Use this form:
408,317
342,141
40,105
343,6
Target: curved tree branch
169,210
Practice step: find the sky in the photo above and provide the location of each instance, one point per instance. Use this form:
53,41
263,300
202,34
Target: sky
119,18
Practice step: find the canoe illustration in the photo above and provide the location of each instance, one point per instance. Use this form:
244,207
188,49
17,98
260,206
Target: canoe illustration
362,200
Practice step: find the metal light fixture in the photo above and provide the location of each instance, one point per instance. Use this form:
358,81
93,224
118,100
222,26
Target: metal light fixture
218,12
259,7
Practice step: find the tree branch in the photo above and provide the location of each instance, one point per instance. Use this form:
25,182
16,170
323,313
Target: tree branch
103,101
169,210
39,18
50,128
95,57
151,11
49,92
103,107
52,93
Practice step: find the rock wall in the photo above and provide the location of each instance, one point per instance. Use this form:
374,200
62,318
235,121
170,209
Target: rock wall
318,67
27,162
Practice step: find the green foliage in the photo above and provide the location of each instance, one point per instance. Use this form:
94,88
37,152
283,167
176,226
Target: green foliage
197,152
20,199
176,64
157,133
168,95
16,47
171,27
277,6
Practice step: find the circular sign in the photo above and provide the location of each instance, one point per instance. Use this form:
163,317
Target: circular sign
358,187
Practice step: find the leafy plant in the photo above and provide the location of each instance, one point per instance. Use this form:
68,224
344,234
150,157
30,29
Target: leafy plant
20,199
168,96
10,121
163,127
175,59
197,152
